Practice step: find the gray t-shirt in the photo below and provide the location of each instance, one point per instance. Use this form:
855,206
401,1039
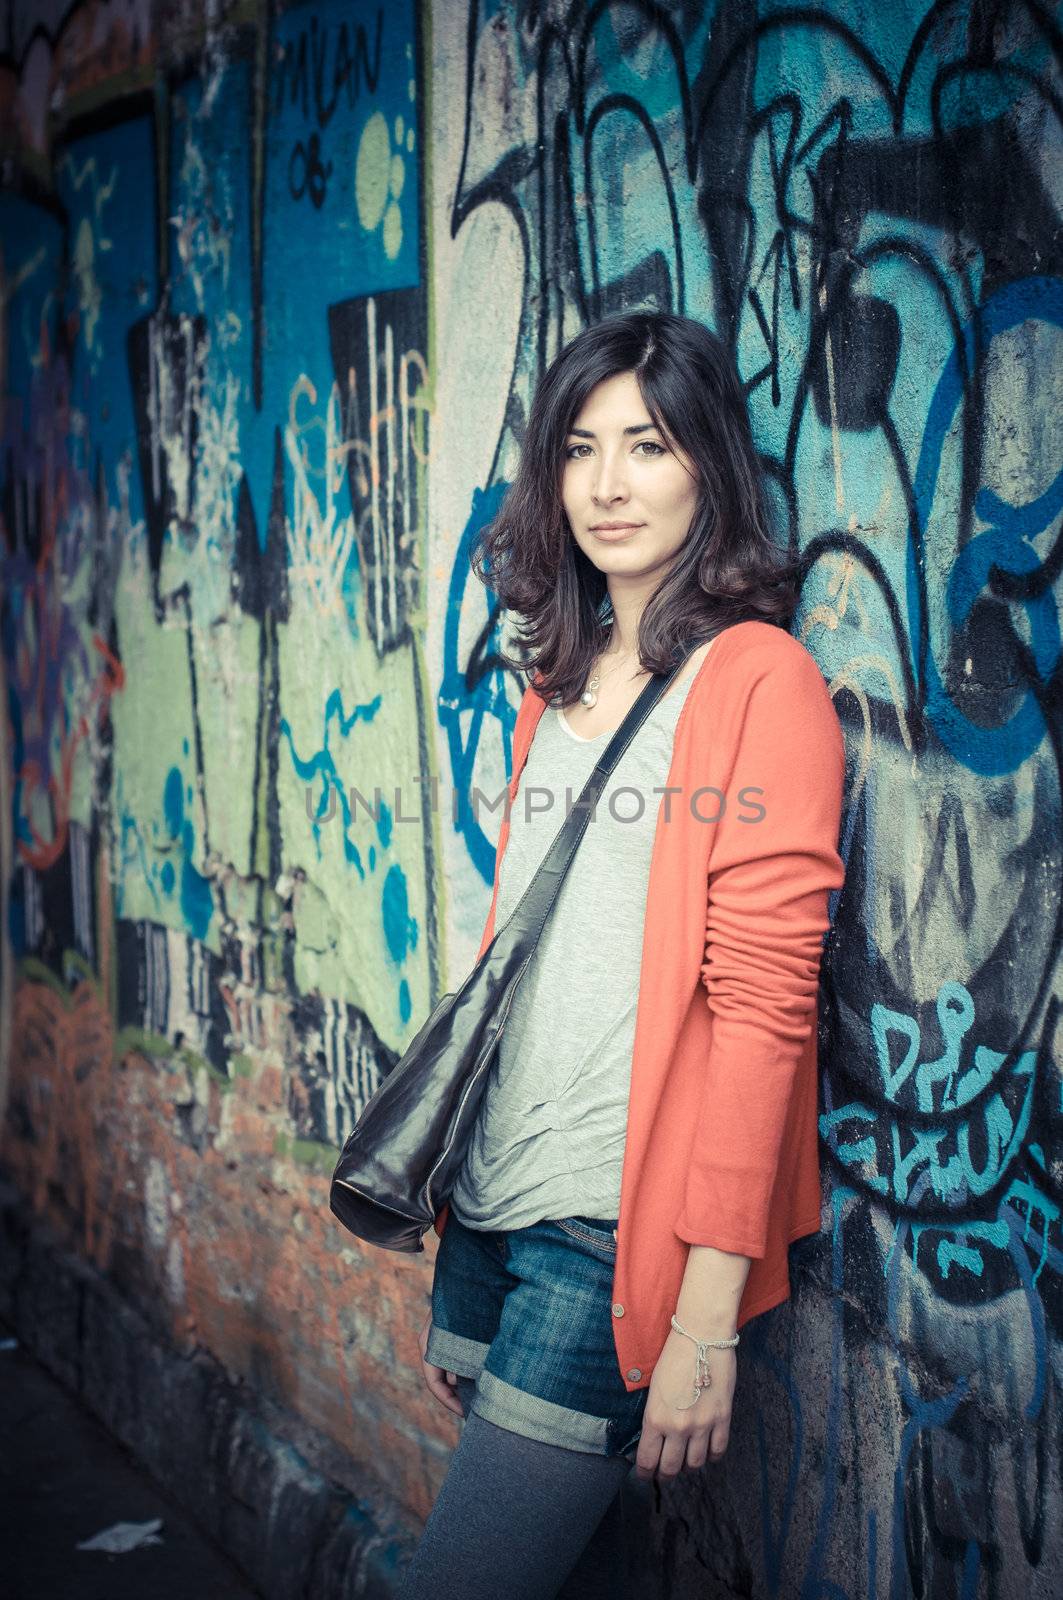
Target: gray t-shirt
549,1137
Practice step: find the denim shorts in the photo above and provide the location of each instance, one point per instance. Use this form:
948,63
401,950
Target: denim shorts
527,1313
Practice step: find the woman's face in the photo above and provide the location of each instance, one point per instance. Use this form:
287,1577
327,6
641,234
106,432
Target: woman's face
629,496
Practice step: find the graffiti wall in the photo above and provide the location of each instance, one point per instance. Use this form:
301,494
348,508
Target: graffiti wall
276,283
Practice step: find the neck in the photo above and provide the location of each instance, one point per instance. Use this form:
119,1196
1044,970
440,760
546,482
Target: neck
625,630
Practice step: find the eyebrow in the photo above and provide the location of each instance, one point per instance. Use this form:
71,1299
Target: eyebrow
585,433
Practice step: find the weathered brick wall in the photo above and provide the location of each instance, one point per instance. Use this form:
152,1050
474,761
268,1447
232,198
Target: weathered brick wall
276,284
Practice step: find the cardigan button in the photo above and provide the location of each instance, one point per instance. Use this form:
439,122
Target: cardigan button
635,1374
618,1310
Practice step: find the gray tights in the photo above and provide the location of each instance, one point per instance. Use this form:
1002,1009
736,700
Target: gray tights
521,1518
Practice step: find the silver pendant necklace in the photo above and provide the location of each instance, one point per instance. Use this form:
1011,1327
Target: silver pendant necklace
589,697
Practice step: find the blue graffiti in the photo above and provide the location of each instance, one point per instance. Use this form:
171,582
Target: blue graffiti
322,764
939,1160
197,900
987,750
486,702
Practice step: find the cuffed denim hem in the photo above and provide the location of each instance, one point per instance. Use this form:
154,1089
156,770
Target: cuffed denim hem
454,1353
524,1413
509,1407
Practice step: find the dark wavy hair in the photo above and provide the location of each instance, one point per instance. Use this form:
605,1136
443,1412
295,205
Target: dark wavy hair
730,568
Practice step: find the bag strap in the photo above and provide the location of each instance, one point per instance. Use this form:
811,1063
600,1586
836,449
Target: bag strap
536,902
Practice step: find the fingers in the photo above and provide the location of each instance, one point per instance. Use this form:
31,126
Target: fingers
718,1441
664,1455
673,1456
441,1385
649,1451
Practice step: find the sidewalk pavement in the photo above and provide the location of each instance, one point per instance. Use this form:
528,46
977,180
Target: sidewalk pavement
63,1481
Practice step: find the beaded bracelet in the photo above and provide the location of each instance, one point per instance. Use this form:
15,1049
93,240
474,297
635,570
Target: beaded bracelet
702,1360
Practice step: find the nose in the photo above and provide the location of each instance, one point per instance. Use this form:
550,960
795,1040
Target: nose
611,482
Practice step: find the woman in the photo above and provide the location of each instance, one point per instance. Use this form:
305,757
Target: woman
642,1159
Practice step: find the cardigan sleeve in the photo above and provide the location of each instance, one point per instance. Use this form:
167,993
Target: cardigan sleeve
768,886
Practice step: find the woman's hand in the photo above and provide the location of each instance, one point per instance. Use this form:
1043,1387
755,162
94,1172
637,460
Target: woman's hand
441,1382
671,1437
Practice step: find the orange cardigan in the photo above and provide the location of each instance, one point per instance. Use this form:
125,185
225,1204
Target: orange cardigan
722,1143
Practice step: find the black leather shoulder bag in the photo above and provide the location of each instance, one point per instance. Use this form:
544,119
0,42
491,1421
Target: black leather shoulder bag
402,1158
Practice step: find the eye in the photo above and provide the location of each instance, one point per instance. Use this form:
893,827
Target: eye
570,453
653,448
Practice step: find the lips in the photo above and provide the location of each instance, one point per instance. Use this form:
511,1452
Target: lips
607,532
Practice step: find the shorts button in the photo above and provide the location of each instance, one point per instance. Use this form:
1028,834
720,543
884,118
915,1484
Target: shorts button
618,1310
635,1374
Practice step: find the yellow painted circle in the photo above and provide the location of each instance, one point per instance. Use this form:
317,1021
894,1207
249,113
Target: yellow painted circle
372,171
392,231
